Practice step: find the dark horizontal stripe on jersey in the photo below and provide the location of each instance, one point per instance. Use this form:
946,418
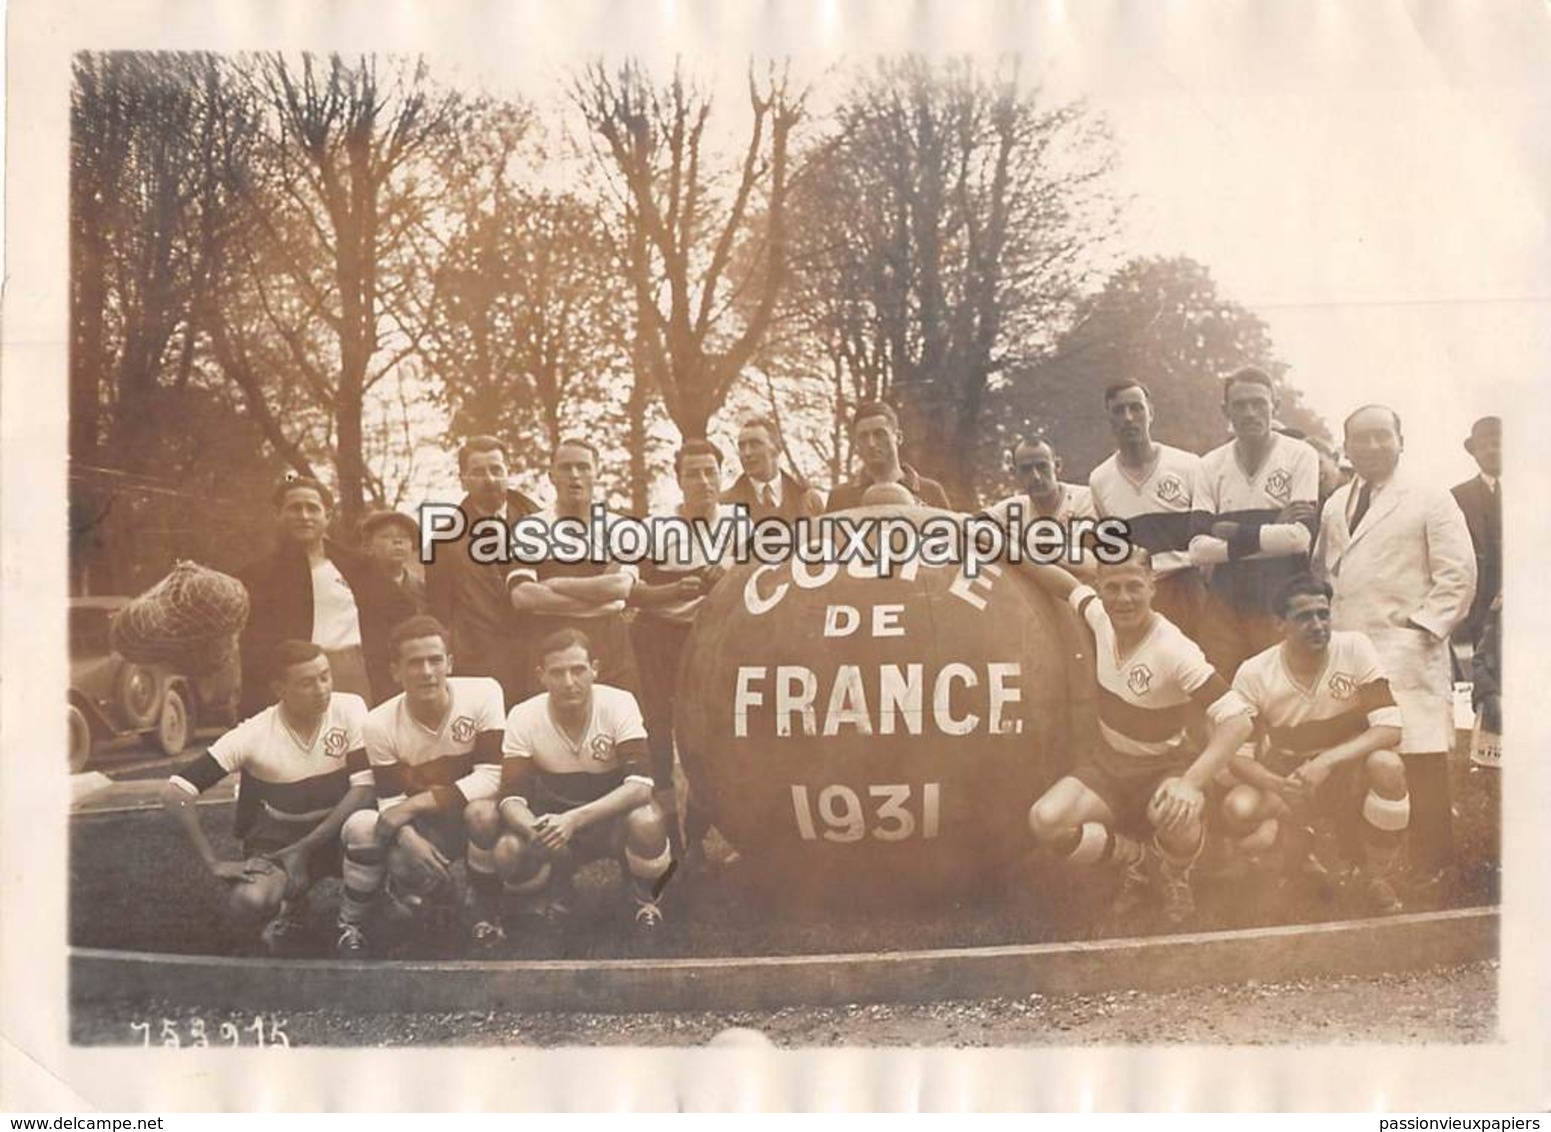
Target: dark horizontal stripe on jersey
1144,725
1375,694
567,791
1250,585
305,795
1167,530
203,773
487,747
1319,734
394,779
1214,689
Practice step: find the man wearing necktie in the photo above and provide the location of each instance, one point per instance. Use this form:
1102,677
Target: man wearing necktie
766,490
1398,556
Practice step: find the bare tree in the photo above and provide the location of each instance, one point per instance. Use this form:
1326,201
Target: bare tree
350,175
701,309
942,237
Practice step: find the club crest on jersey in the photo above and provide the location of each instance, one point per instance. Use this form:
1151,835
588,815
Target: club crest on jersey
602,748
1171,488
334,740
463,729
1341,686
1139,679
1279,485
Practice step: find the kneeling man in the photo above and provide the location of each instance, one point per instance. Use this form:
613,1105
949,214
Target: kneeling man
577,787
1329,729
1137,799
434,749
306,761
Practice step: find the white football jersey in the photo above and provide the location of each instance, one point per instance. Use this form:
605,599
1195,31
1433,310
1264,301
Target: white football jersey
1350,695
1164,508
1249,568
572,773
292,781
409,758
1145,696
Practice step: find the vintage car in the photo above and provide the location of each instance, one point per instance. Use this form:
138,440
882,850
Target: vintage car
111,697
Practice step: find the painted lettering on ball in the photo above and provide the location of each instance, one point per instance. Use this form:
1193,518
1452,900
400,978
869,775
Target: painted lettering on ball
788,700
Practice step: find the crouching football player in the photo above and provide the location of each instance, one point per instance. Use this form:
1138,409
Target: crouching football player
577,787
1137,799
433,749
305,761
1328,729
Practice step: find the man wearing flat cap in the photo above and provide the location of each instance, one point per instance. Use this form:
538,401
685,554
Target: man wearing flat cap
389,539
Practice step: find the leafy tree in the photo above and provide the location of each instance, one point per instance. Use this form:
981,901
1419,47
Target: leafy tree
1158,321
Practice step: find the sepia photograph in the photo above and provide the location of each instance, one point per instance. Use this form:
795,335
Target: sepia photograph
790,537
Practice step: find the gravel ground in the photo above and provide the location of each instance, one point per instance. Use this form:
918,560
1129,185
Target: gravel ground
1450,1004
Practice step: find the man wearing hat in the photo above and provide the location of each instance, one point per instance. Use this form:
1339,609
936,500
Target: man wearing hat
389,538
1481,499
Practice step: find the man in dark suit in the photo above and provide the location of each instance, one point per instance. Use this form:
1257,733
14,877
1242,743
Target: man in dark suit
766,490
1481,499
470,597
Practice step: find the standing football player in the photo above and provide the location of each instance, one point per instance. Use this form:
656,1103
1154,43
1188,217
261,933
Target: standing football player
1328,730
1262,489
307,772
1157,490
433,749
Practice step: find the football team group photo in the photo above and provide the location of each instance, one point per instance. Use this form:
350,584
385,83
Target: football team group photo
670,514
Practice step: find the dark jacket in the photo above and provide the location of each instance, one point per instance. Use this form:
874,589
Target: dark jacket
797,499
1483,510
928,492
471,599
280,607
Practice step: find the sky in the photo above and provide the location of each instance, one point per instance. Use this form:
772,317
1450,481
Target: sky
1371,179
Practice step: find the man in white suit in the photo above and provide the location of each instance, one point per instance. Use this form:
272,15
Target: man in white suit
1399,557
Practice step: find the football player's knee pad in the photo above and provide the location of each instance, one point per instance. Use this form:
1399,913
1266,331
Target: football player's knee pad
1092,844
648,867
1388,814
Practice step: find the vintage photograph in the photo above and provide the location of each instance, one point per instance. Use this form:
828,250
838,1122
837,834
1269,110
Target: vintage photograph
783,549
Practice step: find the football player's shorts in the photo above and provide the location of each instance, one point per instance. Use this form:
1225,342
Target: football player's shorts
1339,797
445,831
272,833
601,839
1128,782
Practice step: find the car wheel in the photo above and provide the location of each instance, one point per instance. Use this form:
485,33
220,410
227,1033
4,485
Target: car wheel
172,727
137,696
80,740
